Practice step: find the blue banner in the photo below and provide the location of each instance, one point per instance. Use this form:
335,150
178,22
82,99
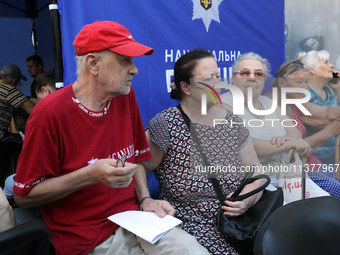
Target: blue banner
227,28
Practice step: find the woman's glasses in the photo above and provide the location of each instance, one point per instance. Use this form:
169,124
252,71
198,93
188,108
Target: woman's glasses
246,73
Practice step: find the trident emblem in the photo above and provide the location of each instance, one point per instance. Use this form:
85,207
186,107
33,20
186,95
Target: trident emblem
206,4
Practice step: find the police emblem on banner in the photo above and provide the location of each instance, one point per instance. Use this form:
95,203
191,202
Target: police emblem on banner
207,10
206,4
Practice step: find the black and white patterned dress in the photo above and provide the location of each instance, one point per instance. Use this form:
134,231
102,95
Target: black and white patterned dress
180,182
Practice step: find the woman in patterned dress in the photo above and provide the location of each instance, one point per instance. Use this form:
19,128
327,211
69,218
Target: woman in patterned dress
177,162
293,74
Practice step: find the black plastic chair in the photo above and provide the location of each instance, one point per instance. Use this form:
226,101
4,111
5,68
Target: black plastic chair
310,226
29,238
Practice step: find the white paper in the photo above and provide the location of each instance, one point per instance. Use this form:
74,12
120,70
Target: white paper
146,225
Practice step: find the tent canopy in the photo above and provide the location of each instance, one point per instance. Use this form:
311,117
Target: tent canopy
22,9
26,30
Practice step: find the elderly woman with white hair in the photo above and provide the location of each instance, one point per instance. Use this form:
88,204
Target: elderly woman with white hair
324,101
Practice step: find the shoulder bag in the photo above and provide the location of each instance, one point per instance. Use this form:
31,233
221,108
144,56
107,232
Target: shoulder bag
240,231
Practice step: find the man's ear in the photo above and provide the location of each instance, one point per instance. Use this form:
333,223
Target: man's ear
91,63
185,88
45,89
14,82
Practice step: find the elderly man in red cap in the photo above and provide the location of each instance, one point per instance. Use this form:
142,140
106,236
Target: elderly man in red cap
77,140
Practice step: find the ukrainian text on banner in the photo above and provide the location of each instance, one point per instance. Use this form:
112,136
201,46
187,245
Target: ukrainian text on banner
227,28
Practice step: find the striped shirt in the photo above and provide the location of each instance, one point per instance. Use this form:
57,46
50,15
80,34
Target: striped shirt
10,98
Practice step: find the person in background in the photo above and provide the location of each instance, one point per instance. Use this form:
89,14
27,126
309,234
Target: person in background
176,158
11,99
76,143
272,139
35,67
292,74
45,84
324,100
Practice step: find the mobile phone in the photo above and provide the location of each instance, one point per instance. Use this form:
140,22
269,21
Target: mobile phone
335,78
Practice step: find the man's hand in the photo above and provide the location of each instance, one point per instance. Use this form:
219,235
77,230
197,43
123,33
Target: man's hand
160,207
108,173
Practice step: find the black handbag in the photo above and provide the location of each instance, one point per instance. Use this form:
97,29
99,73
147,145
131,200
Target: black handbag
240,231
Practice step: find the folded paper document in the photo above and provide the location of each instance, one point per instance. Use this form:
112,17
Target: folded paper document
146,225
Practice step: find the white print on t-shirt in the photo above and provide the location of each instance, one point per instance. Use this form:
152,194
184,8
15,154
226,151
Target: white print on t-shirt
140,152
94,114
22,186
128,152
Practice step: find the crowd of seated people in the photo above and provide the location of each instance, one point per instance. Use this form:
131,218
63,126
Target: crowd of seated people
81,165
292,74
186,188
272,141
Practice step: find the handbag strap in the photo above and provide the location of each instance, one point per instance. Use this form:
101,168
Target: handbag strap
194,137
236,197
247,179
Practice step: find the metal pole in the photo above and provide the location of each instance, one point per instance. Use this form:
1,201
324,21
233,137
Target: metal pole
304,161
57,49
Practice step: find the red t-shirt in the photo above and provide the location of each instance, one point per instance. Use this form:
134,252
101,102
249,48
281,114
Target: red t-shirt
63,136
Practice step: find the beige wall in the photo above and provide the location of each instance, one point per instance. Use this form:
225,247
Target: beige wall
309,18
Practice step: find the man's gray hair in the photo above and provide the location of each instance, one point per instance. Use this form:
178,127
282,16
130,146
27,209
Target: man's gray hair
80,64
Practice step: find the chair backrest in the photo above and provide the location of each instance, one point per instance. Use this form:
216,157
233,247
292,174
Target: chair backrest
29,238
310,226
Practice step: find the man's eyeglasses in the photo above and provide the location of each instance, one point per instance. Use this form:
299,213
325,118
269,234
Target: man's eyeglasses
246,73
121,161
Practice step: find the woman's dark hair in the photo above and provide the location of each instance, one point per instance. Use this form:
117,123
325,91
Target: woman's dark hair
45,79
184,67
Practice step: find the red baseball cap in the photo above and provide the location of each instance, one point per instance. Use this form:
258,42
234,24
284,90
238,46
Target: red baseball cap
108,35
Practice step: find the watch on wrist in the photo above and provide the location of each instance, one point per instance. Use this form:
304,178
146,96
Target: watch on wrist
141,202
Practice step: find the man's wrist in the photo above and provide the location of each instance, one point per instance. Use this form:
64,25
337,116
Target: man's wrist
141,202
